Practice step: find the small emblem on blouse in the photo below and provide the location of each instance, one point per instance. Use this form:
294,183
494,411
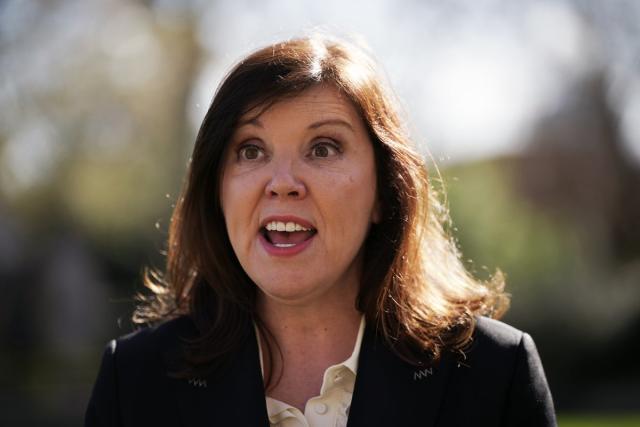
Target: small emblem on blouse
198,382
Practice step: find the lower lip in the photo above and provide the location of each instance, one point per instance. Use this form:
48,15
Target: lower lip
291,250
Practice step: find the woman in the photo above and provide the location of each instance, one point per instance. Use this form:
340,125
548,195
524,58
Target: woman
310,279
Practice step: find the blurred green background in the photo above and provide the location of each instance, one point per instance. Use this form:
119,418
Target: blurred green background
530,109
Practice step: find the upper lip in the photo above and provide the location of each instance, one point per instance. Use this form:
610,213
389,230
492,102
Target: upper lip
286,218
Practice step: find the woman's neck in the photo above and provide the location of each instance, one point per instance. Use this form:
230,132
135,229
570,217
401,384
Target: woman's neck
316,322
311,338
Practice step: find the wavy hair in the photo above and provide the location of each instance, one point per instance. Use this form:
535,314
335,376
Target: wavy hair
415,289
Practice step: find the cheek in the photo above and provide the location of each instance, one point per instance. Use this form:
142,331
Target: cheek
225,192
227,200
362,189
237,206
353,199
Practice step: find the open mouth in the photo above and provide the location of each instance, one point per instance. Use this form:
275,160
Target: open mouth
286,234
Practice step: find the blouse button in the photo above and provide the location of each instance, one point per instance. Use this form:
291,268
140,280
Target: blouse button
344,410
321,408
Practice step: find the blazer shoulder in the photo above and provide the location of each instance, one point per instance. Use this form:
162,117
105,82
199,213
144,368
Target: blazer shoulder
493,349
133,376
507,359
148,342
497,334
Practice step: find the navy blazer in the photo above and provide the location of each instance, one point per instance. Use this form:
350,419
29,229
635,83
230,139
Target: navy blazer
500,383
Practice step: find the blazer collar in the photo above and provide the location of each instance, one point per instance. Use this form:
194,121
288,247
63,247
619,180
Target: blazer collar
235,397
389,391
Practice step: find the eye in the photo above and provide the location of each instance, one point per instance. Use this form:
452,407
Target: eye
325,149
250,152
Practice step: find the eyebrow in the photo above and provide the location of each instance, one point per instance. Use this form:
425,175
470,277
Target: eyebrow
338,122
256,122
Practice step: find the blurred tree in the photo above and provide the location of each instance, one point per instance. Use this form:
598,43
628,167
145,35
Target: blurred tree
576,166
93,146
562,219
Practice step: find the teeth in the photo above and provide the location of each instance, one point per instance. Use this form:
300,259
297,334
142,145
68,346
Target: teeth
284,245
285,226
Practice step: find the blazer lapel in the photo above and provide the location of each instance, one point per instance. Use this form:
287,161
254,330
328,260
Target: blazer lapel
389,391
235,397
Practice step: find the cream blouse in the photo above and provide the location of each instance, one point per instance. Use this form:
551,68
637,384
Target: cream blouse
331,407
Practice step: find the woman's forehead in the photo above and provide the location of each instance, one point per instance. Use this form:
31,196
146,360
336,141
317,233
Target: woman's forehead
321,101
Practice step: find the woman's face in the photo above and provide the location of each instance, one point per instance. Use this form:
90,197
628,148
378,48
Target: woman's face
299,194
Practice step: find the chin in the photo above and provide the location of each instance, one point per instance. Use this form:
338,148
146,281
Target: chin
290,292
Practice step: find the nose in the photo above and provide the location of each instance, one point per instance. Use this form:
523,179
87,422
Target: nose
285,184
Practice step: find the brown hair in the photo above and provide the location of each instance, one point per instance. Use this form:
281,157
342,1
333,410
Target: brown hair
415,289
